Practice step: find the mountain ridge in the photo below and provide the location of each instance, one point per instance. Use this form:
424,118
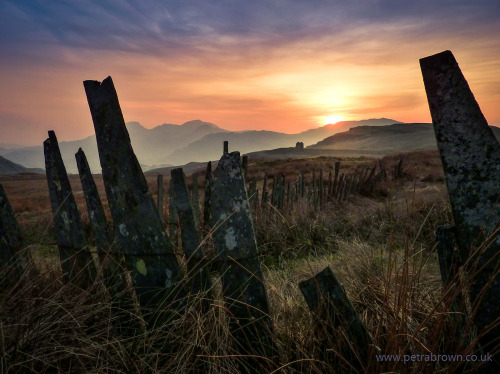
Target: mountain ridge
169,144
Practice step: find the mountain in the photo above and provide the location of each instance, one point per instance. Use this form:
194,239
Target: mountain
9,167
151,146
210,146
196,140
389,139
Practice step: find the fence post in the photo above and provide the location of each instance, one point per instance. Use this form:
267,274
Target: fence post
137,225
244,165
208,196
195,199
264,192
243,287
470,155
327,300
160,196
76,261
122,301
10,241
191,244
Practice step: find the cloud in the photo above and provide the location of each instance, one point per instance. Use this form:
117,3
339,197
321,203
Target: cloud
280,63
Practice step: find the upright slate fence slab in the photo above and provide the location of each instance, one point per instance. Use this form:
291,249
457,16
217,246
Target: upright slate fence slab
327,300
137,225
207,211
11,232
243,287
102,234
191,243
159,182
10,241
108,252
470,155
76,261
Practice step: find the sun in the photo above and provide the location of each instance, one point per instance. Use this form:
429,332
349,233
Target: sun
332,119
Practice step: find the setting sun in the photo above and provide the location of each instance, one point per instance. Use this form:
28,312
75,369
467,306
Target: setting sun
332,119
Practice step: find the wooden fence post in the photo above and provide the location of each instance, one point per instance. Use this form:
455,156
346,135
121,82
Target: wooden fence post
243,287
470,155
264,192
137,225
76,261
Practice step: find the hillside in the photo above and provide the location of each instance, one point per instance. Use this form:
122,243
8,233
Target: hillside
169,144
9,167
151,146
388,139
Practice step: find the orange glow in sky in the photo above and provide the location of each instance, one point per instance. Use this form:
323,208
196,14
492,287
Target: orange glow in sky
286,66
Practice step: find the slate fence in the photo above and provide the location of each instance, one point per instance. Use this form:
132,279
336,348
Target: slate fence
137,243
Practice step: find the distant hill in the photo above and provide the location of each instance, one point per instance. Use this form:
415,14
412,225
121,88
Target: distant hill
388,139
210,146
151,146
9,167
180,144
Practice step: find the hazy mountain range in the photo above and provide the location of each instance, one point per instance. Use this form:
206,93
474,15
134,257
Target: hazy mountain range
9,167
169,144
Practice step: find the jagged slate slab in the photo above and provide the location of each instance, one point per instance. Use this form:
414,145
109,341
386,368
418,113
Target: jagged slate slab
244,165
327,300
173,220
108,252
10,272
137,225
76,261
448,261
235,243
208,195
10,230
264,191
320,188
159,182
195,200
10,238
252,192
102,233
191,243
470,155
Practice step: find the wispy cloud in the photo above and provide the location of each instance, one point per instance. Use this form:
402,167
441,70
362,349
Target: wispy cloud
280,64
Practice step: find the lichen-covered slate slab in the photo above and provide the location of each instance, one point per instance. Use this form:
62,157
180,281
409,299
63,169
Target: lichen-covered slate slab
235,243
136,222
470,155
208,196
76,261
326,298
191,244
98,221
109,254
159,182
11,232
11,239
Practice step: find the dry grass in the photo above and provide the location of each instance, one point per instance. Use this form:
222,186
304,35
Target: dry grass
381,248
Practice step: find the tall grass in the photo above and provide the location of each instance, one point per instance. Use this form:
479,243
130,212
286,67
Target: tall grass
381,248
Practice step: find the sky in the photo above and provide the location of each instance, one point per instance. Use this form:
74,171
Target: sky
280,65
